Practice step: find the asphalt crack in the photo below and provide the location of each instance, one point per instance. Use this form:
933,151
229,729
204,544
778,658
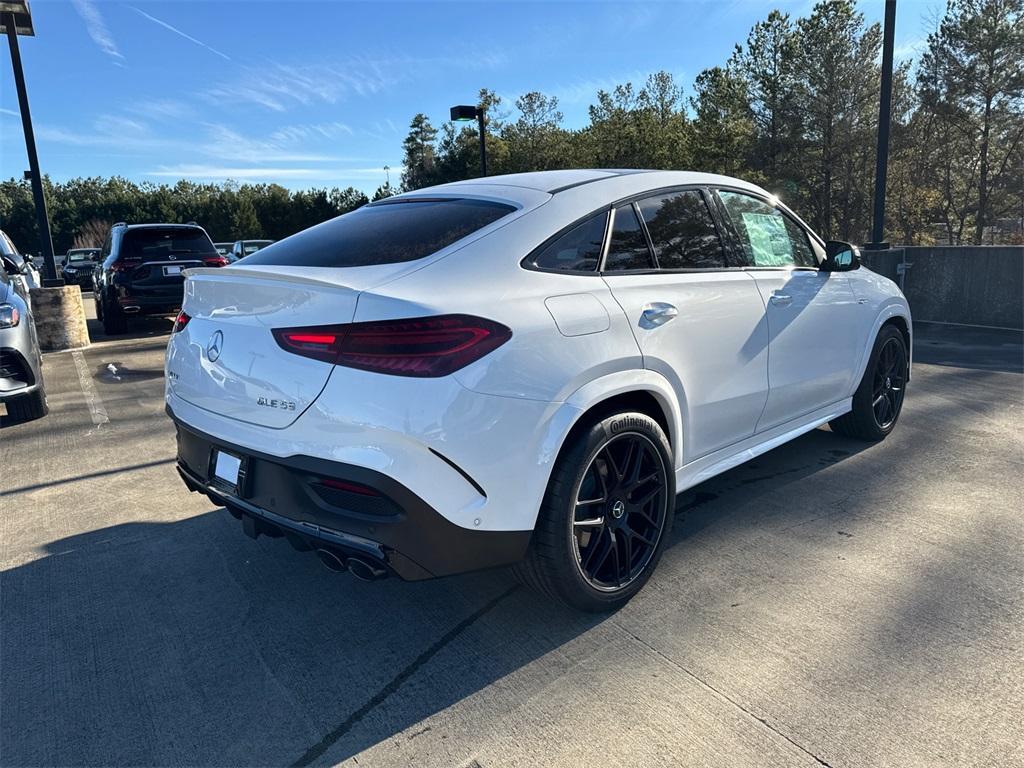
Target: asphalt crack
725,696
335,734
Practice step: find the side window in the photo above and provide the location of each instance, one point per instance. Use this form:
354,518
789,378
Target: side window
769,237
627,249
578,250
682,231
105,251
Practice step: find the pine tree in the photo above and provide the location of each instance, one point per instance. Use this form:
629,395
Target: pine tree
971,84
419,154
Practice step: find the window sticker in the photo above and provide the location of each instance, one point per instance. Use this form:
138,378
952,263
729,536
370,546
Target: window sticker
769,240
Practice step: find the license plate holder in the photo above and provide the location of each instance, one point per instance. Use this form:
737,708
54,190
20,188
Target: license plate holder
227,470
174,271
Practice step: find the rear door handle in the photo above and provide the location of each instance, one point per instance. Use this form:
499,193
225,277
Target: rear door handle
657,313
781,299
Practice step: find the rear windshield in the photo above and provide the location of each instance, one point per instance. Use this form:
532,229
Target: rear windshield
383,233
157,244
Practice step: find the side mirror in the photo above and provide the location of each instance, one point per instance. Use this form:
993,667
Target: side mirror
840,256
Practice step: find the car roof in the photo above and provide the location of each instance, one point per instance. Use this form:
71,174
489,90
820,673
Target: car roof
605,182
155,225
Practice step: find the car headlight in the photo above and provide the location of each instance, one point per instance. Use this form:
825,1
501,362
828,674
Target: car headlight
9,316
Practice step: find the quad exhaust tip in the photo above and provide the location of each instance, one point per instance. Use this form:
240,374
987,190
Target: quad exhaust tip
362,568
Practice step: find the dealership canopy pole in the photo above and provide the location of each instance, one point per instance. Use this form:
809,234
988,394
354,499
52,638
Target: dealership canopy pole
45,243
884,119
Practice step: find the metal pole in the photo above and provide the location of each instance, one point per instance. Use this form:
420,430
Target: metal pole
884,119
480,112
45,243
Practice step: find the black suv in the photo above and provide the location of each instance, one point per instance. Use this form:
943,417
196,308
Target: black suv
141,270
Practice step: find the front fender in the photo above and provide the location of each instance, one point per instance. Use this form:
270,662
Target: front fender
895,307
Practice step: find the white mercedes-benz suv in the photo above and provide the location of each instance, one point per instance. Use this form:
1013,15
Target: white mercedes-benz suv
523,370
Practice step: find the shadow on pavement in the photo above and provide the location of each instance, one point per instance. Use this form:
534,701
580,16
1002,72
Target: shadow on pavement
988,349
187,643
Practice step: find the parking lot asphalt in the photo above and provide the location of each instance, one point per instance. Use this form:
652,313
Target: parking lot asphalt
829,603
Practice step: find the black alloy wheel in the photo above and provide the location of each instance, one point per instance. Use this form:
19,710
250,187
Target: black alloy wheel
889,383
620,512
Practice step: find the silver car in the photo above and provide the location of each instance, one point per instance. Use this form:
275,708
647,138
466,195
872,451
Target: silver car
22,397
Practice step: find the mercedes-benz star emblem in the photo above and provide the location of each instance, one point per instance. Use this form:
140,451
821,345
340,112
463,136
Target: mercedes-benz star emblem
214,347
618,509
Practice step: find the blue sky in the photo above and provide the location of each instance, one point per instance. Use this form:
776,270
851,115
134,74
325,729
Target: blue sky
321,93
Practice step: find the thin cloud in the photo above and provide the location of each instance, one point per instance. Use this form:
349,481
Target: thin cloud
908,48
217,172
317,131
177,31
226,144
97,29
195,171
9,112
279,87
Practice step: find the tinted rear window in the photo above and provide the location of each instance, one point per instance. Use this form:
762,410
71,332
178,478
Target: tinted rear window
156,244
385,233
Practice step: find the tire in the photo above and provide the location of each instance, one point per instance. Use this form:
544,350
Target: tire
878,401
25,408
114,321
622,521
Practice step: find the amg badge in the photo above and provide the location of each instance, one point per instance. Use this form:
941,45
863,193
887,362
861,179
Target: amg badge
284,405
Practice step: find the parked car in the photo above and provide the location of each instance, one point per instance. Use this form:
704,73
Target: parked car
243,248
524,370
22,396
224,249
77,266
21,270
142,270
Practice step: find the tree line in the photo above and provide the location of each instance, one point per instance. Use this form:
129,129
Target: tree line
795,109
83,210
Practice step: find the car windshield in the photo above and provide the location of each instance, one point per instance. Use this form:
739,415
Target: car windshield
159,244
384,233
74,257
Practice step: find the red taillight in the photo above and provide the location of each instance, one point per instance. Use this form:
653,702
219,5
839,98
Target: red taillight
125,265
422,346
180,322
346,485
215,261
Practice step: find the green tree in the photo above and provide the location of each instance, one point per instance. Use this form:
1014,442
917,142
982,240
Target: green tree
723,124
419,168
244,222
838,80
971,85
535,141
769,66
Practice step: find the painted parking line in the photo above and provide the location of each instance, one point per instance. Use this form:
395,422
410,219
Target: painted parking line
92,398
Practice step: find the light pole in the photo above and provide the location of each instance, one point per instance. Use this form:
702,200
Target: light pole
16,19
884,119
466,113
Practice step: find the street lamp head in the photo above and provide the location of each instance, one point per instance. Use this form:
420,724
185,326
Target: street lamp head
22,17
463,113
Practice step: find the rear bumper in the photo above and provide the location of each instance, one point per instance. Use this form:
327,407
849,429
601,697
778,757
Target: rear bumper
282,497
149,305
